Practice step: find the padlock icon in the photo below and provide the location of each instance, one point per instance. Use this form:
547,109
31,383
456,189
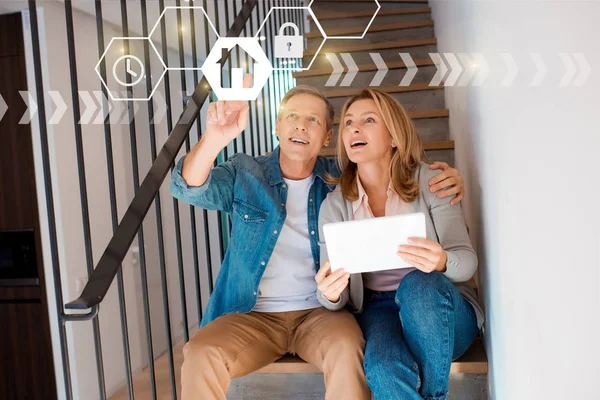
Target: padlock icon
289,46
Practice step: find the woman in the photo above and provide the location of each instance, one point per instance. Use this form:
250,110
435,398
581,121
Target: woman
416,321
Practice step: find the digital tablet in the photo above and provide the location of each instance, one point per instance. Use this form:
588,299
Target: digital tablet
370,245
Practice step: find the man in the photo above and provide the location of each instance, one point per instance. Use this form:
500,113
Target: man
264,304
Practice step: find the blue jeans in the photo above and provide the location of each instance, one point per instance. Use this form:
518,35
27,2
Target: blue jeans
413,335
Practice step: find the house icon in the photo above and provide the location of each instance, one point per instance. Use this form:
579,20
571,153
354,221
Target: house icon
237,73
213,67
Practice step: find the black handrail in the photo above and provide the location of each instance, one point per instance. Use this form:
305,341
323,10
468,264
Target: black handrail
110,262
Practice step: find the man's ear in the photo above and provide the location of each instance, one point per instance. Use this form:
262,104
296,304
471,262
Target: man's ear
277,127
328,138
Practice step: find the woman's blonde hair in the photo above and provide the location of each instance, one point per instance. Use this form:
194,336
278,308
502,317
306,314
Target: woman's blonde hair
406,156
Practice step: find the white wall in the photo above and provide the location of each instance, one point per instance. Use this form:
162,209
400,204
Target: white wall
529,156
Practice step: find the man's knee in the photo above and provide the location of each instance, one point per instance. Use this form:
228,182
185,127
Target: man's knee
200,351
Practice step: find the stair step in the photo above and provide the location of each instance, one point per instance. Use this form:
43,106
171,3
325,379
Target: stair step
328,24
346,92
358,30
474,361
349,45
362,68
414,115
421,32
439,145
364,57
369,13
364,78
444,155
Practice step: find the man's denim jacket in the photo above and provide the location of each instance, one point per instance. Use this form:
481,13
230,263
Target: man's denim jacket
253,192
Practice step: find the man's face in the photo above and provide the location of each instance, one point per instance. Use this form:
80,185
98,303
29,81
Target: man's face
302,127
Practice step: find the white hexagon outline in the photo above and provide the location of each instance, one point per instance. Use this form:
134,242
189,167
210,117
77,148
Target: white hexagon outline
183,8
257,88
348,37
106,85
318,26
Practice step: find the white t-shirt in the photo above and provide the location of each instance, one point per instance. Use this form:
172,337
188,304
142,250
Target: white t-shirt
288,283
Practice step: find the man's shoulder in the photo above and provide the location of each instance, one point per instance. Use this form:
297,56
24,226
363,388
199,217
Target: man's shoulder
255,165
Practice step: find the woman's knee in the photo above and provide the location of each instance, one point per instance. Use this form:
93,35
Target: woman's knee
420,289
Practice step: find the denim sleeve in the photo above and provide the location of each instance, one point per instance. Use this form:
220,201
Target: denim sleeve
327,214
215,194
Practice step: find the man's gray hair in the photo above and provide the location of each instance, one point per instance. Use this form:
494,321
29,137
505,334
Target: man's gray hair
305,89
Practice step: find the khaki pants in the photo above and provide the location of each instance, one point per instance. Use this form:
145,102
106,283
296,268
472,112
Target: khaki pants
235,345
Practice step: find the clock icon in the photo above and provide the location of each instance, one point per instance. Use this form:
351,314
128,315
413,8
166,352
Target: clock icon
134,68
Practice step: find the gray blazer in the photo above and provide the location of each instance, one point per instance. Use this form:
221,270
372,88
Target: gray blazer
445,224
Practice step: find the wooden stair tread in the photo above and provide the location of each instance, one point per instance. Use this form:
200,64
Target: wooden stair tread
474,361
352,45
414,87
437,145
373,28
362,68
369,13
441,113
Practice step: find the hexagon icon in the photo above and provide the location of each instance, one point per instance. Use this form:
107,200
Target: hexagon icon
130,70
278,32
327,36
173,28
212,68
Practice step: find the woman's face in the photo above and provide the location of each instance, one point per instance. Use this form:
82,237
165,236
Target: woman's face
365,136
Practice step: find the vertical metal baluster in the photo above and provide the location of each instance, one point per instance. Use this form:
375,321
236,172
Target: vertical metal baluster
191,207
113,199
176,215
255,130
85,216
301,26
230,63
136,185
157,205
225,152
242,137
283,19
276,90
194,229
64,349
234,141
218,28
206,230
290,17
266,32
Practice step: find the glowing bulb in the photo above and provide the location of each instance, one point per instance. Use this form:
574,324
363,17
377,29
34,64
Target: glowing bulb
263,38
